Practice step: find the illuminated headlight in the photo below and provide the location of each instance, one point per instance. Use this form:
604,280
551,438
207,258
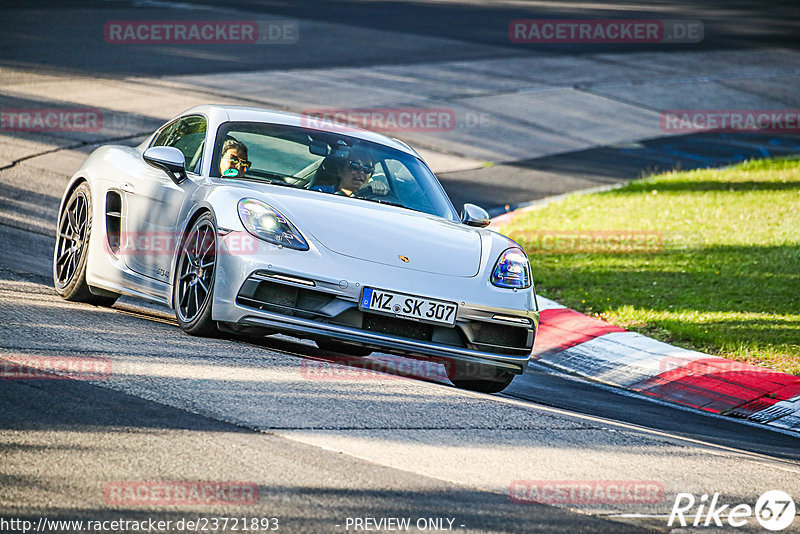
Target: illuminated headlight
512,270
267,223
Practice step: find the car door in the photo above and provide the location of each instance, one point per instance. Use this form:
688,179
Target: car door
153,201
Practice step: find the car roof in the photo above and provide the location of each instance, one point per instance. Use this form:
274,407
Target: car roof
218,114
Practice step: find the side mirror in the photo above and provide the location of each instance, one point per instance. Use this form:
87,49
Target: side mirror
473,215
169,159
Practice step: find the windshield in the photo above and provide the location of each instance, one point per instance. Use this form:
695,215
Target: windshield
327,163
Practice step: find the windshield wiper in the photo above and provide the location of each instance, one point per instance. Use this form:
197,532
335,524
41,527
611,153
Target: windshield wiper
278,182
259,180
274,178
389,202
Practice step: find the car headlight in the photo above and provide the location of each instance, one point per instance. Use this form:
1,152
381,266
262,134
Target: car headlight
512,270
267,223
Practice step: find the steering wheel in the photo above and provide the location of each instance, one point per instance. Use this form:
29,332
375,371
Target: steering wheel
368,194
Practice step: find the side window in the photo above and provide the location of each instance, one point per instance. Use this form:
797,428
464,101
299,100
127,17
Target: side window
187,135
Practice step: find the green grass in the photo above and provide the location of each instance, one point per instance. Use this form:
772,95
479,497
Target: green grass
727,280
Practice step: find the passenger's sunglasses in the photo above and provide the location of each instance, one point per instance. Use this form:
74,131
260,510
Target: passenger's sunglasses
366,168
243,162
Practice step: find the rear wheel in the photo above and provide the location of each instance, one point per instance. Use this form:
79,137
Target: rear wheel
478,377
343,348
193,291
72,250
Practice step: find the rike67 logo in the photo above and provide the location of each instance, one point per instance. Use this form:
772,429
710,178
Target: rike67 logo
774,510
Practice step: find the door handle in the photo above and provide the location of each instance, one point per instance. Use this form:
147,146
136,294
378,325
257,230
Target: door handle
127,187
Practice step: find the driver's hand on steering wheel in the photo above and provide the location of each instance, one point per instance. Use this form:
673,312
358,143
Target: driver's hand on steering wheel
377,187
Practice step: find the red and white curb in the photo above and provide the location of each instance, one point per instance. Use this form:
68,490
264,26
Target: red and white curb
573,342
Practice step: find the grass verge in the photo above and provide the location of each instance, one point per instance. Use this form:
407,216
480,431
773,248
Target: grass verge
708,259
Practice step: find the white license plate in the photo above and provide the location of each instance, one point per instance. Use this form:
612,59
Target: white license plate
408,306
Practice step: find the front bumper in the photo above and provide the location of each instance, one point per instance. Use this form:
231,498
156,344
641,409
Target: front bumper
314,294
300,307
385,342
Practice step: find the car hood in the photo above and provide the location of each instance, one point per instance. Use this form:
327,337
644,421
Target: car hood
381,233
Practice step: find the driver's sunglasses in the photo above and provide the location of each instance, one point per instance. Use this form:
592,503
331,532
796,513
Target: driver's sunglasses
366,168
245,163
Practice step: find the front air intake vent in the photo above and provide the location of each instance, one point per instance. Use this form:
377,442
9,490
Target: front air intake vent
113,220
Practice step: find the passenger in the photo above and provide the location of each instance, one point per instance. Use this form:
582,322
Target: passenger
233,163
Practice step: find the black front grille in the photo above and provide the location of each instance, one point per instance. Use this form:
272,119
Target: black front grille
276,294
398,327
498,334
283,298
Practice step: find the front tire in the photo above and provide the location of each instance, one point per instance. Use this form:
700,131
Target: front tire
72,250
193,290
478,377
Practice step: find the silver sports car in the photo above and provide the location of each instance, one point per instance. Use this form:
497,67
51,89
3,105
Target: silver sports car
261,222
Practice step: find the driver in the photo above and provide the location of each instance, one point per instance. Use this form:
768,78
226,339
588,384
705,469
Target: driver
351,176
355,176
233,163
